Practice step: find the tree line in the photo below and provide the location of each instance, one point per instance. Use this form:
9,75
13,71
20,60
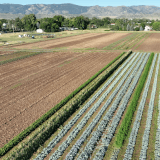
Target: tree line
31,23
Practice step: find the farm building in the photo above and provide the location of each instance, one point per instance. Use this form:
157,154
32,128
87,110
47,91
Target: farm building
39,31
148,28
93,26
112,24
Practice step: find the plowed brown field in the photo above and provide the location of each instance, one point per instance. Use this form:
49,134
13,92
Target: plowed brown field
91,40
32,86
151,44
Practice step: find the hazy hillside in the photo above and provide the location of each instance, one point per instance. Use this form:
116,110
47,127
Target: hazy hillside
43,10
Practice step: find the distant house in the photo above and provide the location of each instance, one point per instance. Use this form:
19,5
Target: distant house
4,25
112,24
39,31
149,22
148,28
94,26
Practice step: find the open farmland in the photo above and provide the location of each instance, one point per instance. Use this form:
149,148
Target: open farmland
151,44
53,112
31,87
80,41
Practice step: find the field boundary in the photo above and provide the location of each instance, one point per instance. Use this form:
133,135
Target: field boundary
47,115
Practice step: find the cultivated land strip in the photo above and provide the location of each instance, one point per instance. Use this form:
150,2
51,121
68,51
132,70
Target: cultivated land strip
106,140
157,143
52,83
88,130
151,44
134,132
103,124
45,93
118,62
145,140
63,42
85,119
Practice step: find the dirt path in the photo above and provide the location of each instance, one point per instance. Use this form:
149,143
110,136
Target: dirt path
33,86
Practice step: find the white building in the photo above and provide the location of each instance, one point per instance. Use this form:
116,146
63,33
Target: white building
147,28
39,31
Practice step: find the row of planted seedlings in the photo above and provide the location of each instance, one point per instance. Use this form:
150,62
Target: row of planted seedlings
116,97
107,137
37,138
147,35
60,147
131,41
135,134
77,128
157,142
124,128
114,44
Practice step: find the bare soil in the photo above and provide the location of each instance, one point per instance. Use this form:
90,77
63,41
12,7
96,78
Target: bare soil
151,44
94,40
32,86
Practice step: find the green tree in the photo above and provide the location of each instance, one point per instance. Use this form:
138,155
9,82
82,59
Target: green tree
156,26
18,23
81,22
137,29
143,25
59,20
29,22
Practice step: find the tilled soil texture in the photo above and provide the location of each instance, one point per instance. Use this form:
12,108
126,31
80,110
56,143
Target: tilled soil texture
5,53
32,86
49,43
93,40
100,42
151,44
35,43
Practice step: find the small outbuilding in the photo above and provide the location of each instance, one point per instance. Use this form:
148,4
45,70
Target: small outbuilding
39,31
148,28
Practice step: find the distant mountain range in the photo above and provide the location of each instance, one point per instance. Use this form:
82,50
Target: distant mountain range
67,9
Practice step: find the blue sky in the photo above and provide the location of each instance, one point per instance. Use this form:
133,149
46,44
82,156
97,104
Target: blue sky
88,2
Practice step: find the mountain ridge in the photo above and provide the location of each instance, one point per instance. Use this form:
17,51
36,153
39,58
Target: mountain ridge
73,9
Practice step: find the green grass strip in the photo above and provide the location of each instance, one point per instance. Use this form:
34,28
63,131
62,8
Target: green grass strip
47,115
126,123
18,58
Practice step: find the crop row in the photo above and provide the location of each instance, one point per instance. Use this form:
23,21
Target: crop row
80,113
112,128
157,143
145,139
47,115
132,41
19,58
127,120
113,45
136,125
85,119
102,125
